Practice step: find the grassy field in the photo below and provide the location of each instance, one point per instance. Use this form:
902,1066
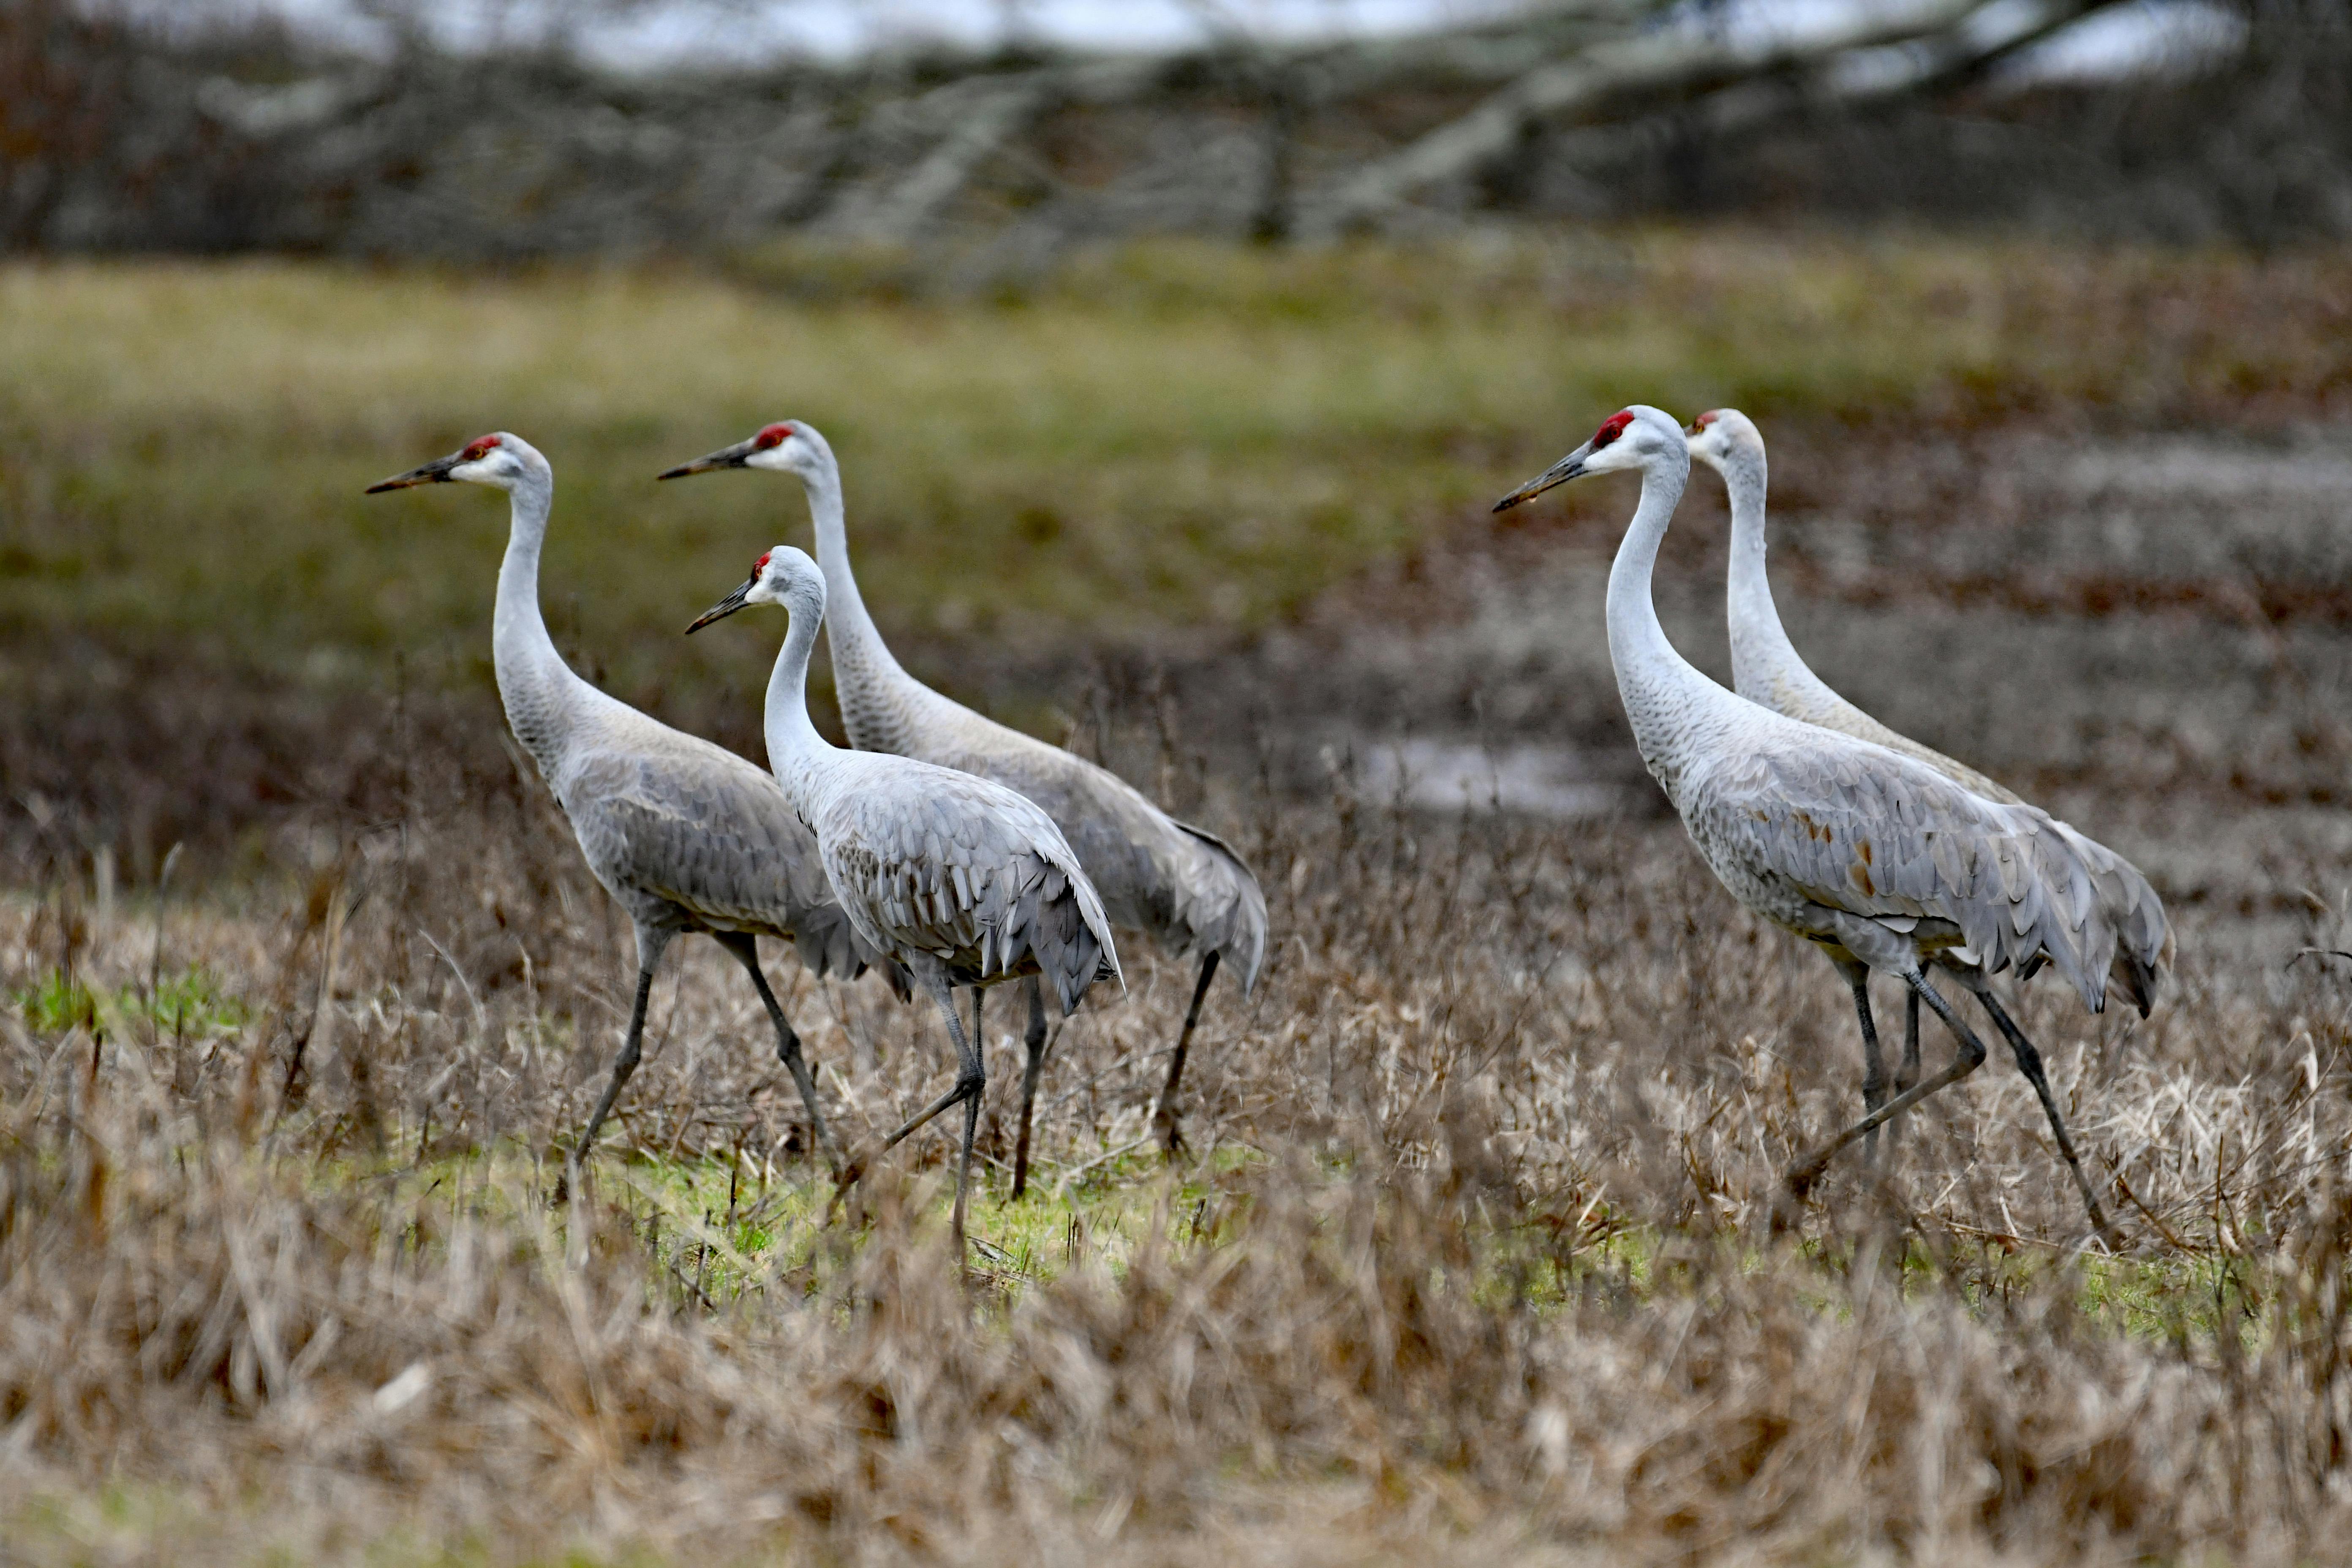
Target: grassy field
1161,439
1468,1258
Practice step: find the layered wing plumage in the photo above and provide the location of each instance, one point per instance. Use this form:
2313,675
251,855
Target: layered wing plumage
963,871
2143,946
1187,888
1870,834
667,818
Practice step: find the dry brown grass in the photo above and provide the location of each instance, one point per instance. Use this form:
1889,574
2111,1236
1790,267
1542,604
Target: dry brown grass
333,1299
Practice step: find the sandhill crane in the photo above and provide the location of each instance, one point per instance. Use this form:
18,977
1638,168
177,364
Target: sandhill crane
1184,886
1766,669
685,835
962,881
1872,855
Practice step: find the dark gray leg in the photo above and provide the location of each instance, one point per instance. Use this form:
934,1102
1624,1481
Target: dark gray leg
745,948
1164,1114
627,1062
2028,1062
1910,1042
1965,1059
1873,1063
650,944
1910,1073
971,1077
1035,1042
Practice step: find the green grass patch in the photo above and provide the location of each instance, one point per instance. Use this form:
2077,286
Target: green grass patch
720,1233
1157,435
189,1005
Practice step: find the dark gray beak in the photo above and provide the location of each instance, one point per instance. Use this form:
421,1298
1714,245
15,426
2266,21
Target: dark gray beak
1559,473
436,472
725,458
726,606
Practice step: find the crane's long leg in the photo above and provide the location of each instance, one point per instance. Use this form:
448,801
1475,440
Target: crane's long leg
971,1077
2028,1062
745,948
974,1057
1910,1073
1873,1063
970,1080
1035,1041
1969,1056
627,1062
1163,1114
650,946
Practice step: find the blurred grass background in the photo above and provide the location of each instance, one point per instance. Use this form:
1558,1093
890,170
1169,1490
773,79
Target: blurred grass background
1159,438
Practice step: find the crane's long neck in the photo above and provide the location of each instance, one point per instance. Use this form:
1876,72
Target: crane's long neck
1666,697
534,683
796,750
1761,654
878,699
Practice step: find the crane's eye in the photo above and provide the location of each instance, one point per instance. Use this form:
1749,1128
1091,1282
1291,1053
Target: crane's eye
760,567
773,437
480,447
1612,430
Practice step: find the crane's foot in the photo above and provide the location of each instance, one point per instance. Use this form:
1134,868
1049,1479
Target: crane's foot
571,1179
843,1197
1796,1187
1787,1212
1170,1130
1800,1178
2110,1237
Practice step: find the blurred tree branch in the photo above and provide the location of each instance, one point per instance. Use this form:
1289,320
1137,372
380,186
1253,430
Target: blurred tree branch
119,133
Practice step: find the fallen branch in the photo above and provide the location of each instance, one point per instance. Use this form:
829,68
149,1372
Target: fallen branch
1657,62
1934,63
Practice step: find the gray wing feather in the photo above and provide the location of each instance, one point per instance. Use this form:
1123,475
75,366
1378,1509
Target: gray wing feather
1189,889
2125,901
932,861
697,827
1876,835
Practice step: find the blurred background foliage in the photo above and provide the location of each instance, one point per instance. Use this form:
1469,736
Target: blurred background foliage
217,126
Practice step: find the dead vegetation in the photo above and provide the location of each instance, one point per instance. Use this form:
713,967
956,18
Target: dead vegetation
1473,1256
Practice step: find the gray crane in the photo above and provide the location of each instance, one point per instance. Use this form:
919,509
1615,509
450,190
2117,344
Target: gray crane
685,835
1766,669
1185,887
962,881
1871,855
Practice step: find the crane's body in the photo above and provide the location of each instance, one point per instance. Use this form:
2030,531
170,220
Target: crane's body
1870,854
1184,886
1768,669
961,879
685,834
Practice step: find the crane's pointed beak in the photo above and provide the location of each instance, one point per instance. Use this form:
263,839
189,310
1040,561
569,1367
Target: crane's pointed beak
726,606
436,472
1559,473
725,458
